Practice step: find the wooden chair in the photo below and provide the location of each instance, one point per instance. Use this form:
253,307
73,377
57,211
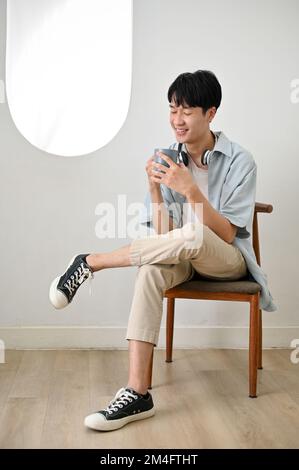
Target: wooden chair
243,290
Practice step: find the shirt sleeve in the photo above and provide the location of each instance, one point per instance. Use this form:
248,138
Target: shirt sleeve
173,207
238,200
146,215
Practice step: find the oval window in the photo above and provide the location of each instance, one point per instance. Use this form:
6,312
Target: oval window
68,71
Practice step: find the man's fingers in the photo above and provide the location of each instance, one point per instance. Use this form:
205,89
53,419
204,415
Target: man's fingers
157,173
150,160
166,158
155,179
158,166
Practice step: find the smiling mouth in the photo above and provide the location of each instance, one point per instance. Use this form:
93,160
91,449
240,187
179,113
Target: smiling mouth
181,131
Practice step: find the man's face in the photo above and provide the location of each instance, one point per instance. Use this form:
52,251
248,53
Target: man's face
189,124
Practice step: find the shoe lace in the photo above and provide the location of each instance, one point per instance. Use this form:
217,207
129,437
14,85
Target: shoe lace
121,399
80,275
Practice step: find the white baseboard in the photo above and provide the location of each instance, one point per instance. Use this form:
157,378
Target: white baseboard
193,337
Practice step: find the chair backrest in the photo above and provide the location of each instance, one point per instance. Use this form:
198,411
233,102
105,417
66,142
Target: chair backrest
259,207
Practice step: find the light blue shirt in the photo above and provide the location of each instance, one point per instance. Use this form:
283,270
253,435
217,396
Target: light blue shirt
231,188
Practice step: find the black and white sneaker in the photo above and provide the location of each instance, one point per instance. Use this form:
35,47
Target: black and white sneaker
126,406
64,288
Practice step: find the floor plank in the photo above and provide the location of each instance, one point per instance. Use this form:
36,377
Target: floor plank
201,400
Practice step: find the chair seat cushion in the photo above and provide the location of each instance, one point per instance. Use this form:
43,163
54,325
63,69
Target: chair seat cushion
199,283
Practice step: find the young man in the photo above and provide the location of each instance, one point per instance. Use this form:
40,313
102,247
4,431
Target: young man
223,187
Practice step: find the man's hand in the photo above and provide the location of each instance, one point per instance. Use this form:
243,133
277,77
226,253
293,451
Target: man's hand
153,185
162,222
176,177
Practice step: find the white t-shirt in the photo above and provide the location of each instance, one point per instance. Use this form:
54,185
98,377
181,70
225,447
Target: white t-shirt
200,176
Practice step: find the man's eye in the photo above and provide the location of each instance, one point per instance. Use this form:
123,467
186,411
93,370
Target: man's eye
174,112
186,114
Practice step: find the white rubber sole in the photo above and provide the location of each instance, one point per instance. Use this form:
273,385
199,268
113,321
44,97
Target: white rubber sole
57,298
98,422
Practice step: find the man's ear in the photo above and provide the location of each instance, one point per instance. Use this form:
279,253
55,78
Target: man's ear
211,113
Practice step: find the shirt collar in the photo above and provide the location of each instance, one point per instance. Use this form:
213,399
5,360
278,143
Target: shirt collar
223,144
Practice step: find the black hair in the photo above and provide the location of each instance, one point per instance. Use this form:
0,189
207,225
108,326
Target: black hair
200,88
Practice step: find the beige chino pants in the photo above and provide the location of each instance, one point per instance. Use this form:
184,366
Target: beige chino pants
167,260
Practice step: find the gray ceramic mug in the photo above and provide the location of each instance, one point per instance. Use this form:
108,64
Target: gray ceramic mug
171,153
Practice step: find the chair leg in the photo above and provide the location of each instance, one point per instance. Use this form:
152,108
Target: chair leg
169,328
260,341
150,370
253,344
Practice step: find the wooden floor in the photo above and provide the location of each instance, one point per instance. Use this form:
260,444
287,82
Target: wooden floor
201,400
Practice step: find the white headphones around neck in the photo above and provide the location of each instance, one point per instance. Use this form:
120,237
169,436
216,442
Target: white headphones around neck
205,157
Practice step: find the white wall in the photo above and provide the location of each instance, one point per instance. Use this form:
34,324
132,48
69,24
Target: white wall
48,202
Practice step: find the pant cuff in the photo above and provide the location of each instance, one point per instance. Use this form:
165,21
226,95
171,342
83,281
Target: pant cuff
134,253
143,335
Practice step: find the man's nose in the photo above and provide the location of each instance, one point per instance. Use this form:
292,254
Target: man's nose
179,120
